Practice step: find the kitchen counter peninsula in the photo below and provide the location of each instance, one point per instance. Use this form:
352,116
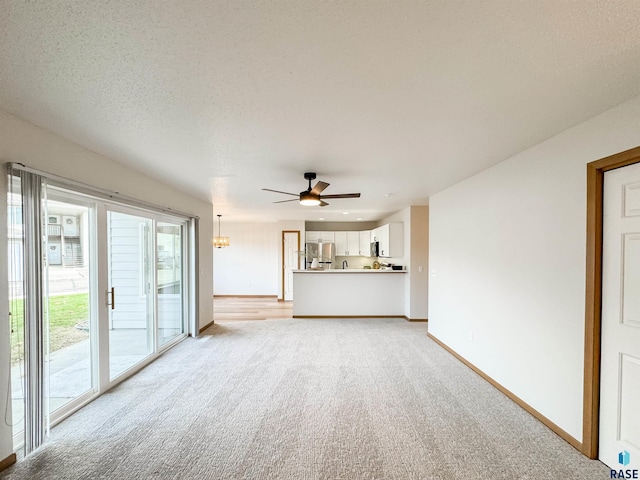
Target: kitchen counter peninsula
351,292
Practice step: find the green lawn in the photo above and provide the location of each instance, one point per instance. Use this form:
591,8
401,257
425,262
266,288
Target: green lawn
65,311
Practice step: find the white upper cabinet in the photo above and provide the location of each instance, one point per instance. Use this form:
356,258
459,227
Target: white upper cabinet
327,237
347,244
358,243
391,238
341,243
375,234
353,243
312,237
383,238
365,243
319,237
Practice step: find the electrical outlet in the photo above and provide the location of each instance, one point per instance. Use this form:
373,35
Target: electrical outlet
419,268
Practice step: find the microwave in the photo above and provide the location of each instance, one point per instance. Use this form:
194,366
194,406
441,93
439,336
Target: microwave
375,249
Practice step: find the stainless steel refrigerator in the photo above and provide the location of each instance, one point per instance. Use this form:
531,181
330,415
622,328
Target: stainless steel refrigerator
324,252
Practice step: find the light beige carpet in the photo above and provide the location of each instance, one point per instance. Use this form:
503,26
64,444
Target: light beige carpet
306,399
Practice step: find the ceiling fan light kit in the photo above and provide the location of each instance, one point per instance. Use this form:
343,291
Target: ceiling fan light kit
309,199
311,196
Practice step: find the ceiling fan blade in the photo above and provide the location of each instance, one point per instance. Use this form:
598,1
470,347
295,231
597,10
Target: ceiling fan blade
284,201
320,186
278,191
323,204
342,195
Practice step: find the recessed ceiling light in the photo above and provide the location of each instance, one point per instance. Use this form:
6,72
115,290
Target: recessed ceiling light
320,218
359,218
345,213
388,194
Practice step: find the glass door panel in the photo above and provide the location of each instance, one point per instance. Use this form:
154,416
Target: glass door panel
169,277
68,303
130,297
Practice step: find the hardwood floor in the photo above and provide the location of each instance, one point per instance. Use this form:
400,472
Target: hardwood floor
227,309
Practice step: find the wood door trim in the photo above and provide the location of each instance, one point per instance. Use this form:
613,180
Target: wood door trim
593,294
282,265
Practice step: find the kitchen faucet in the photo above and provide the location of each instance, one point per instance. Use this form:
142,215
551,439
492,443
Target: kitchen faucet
345,264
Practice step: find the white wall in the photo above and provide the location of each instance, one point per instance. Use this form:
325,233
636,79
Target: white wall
415,220
507,256
24,143
251,265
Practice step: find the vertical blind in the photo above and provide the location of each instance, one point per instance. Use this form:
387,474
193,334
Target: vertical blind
26,196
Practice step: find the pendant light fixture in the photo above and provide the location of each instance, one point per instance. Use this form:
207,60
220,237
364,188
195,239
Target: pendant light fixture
220,241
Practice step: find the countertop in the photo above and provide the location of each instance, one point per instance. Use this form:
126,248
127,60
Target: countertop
352,270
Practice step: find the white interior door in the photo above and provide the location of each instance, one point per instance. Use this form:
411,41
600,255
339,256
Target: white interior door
290,261
620,343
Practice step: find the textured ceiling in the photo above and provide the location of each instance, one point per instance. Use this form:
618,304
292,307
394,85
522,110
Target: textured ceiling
222,98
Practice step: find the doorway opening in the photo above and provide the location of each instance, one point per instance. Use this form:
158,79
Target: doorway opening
290,261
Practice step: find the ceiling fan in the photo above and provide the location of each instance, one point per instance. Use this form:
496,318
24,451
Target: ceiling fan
311,196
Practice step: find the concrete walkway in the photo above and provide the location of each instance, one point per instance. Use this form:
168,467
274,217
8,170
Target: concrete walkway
62,281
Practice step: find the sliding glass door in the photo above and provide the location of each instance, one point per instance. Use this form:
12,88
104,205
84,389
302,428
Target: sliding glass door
145,297
130,297
97,290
